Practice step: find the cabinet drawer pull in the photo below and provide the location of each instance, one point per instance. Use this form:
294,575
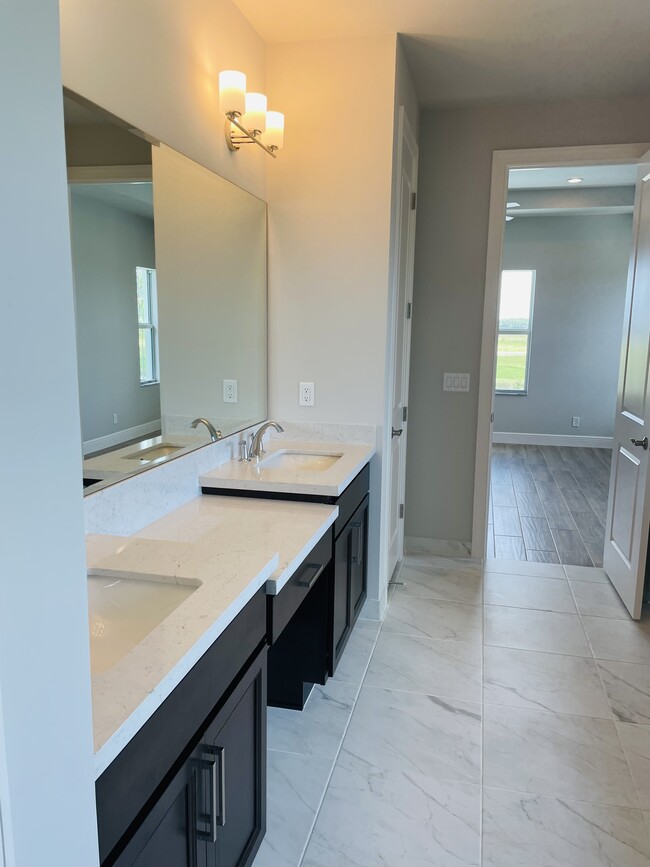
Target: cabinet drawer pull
215,814
310,575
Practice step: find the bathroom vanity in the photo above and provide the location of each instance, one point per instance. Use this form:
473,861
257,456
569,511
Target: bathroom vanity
337,474
180,718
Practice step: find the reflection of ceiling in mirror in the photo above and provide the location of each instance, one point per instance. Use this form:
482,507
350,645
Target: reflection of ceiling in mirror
136,198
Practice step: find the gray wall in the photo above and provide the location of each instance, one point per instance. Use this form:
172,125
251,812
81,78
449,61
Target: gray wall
107,246
581,265
456,146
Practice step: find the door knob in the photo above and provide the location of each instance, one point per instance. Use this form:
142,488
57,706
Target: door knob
398,433
643,443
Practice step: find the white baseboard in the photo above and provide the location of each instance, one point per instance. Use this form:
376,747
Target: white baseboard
529,439
120,436
441,547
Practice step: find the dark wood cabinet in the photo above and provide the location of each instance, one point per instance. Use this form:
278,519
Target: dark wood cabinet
213,812
349,584
200,757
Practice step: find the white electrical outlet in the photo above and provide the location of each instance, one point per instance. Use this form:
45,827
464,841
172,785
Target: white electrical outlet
306,394
230,391
455,382
114,418
575,421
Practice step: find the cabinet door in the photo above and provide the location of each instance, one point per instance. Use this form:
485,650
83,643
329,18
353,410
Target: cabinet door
232,790
341,608
358,559
167,837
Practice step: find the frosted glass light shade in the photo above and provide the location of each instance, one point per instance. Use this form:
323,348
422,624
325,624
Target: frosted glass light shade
255,115
232,91
274,129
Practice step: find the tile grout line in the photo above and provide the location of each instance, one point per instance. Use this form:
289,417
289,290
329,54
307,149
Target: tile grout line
345,731
613,718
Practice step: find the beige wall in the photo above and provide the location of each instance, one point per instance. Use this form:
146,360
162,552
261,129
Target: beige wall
329,224
156,65
456,146
329,242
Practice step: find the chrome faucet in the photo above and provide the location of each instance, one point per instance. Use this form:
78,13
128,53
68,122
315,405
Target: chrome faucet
214,433
256,447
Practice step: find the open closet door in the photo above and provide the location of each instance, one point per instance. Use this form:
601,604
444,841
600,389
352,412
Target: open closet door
628,511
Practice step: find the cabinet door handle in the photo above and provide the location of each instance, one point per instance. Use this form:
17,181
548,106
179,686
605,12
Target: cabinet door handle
212,761
355,559
395,432
310,575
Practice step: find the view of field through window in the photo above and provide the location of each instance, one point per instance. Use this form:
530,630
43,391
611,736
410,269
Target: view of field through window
515,319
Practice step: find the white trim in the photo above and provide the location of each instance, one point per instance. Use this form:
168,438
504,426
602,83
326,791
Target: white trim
502,162
533,439
121,436
108,174
440,547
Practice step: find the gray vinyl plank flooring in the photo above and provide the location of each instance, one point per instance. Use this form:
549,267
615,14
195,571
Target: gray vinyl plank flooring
548,504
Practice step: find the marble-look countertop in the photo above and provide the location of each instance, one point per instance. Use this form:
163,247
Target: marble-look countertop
256,476
233,547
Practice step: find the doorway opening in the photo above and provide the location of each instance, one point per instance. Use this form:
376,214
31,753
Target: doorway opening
558,339
566,250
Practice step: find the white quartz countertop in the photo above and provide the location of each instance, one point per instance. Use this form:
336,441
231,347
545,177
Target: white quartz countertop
233,547
254,476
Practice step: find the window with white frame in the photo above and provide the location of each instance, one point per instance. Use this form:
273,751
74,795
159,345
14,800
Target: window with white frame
145,281
516,300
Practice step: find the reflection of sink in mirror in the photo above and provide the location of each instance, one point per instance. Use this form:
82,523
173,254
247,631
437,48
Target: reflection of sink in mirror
123,611
145,456
311,462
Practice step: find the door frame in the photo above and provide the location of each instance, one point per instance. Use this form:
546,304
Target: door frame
502,162
406,135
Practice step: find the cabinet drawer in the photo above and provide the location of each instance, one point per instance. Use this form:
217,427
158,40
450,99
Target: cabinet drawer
281,608
350,499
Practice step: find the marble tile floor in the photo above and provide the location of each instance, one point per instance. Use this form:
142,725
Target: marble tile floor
548,504
500,715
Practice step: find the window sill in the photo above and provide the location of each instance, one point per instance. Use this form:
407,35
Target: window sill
147,384
511,393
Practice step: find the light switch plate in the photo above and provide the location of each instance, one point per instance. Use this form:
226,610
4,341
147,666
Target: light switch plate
231,391
455,381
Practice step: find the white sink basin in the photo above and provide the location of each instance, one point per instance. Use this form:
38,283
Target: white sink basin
123,611
154,453
310,462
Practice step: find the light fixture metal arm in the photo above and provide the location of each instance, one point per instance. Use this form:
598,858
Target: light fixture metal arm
234,141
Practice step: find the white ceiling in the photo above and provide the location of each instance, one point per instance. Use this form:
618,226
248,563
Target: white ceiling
556,177
470,50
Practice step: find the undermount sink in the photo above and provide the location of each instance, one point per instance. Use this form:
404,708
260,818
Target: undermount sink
146,456
123,611
311,462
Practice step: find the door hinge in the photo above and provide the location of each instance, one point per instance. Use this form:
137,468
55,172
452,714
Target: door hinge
405,412
401,510
409,309
414,199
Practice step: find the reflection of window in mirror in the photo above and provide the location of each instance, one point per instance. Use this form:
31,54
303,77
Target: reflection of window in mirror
145,279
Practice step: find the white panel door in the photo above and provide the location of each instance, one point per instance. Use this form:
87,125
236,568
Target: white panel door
405,248
628,512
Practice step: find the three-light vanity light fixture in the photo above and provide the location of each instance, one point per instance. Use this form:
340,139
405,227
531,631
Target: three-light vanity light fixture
248,120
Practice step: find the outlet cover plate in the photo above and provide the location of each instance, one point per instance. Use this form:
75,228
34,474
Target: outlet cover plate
230,391
306,394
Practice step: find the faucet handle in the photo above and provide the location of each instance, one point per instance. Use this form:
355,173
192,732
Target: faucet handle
243,451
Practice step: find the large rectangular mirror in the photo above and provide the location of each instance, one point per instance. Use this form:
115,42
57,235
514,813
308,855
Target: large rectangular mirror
169,264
